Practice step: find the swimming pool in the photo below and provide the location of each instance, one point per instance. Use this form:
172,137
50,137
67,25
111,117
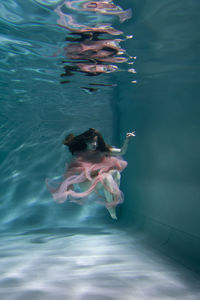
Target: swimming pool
154,91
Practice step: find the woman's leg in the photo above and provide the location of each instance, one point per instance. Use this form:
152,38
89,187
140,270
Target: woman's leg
111,197
108,179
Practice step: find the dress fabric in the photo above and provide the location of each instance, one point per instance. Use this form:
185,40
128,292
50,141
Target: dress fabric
92,167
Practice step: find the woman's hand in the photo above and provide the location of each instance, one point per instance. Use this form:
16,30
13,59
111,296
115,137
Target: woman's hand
129,135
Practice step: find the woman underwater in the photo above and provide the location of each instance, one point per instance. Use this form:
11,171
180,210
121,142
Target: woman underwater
95,166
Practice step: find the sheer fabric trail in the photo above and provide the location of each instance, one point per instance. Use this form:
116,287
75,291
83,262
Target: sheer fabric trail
90,167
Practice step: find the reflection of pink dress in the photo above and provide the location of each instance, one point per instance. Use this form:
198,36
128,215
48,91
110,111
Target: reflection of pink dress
89,166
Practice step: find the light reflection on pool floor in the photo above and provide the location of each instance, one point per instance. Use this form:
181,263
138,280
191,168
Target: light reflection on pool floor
88,264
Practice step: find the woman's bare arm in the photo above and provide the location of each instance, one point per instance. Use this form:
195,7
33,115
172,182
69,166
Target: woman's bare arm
122,150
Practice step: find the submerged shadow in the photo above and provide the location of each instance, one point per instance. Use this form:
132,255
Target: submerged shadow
66,231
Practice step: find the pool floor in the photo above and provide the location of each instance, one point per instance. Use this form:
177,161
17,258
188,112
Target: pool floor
89,264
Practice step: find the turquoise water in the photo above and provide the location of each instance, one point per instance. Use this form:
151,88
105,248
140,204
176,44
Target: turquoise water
37,111
74,252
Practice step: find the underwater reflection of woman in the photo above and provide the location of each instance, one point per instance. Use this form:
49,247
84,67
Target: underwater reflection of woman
95,167
89,69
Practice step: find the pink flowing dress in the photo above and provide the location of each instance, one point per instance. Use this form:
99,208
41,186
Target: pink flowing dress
92,167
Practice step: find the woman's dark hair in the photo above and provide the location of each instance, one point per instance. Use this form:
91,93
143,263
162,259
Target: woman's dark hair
79,143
